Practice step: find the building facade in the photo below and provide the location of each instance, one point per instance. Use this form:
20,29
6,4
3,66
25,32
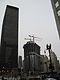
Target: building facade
56,10
54,60
31,58
43,63
9,38
31,47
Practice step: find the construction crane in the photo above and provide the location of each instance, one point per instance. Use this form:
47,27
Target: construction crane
28,39
32,38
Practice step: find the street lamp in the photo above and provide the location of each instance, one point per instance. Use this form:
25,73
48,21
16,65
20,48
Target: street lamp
48,47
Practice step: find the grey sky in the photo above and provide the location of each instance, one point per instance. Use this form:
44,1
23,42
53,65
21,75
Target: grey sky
35,17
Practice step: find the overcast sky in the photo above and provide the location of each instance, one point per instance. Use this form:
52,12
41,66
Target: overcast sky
35,17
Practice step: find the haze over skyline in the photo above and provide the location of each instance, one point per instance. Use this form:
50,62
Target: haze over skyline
35,17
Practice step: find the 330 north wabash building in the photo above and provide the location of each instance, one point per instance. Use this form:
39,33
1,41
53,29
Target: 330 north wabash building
9,38
56,9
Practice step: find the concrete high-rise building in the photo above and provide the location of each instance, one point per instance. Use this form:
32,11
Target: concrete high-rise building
42,63
56,10
31,58
9,38
54,60
32,63
31,47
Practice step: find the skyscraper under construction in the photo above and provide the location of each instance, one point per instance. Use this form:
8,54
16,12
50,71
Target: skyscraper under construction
31,58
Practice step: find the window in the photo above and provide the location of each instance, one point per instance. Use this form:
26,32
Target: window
56,4
58,12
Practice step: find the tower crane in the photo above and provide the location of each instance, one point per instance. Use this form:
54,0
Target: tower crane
32,38
28,39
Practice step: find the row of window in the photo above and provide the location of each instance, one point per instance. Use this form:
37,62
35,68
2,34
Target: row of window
57,5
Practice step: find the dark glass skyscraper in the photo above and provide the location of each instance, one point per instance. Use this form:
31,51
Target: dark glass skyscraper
9,38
